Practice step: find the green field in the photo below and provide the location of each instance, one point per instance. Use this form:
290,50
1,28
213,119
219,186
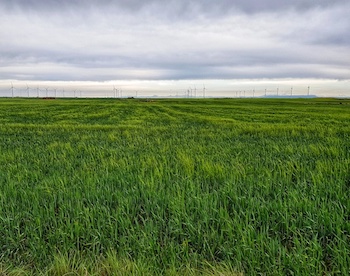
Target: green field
167,187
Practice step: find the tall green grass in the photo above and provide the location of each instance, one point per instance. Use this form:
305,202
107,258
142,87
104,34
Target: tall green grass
175,186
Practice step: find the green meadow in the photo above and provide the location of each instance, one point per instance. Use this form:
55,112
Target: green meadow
174,186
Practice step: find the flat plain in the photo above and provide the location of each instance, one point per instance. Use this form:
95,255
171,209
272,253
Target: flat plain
175,186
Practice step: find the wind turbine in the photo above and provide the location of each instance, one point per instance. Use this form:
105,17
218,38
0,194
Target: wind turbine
291,91
308,90
203,91
27,89
12,89
195,91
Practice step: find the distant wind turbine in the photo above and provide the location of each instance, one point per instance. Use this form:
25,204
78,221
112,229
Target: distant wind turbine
12,89
203,91
27,89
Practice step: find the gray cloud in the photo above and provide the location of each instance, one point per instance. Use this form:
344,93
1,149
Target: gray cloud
174,6
177,39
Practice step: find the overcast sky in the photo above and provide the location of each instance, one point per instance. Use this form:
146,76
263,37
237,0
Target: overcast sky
218,42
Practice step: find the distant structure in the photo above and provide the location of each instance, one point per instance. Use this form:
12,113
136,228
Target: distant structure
12,93
290,94
35,90
27,89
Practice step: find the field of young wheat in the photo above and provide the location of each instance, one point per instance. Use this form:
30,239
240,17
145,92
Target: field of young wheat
166,187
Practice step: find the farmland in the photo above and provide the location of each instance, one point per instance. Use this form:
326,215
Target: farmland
178,186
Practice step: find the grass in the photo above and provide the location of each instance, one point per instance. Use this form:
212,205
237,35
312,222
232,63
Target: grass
225,186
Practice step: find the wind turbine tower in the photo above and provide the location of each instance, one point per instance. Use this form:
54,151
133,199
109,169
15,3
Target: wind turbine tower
12,89
27,89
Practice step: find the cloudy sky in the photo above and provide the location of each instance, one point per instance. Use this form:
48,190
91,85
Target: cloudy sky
225,45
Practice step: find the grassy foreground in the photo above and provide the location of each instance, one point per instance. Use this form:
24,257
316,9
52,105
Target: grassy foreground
192,187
